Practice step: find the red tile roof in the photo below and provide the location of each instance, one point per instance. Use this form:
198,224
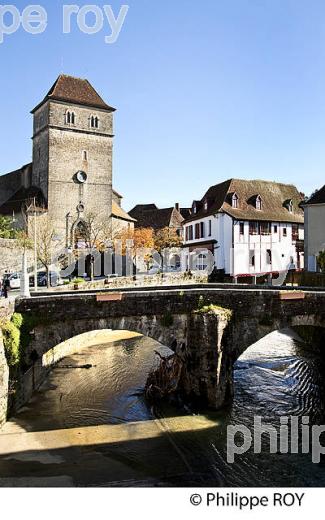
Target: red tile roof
77,91
149,216
274,196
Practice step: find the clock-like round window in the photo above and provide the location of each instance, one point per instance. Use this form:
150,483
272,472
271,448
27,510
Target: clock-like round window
81,177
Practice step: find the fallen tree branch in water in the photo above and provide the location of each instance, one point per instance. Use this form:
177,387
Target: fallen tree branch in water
163,381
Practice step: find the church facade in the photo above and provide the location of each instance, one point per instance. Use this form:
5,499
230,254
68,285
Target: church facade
70,176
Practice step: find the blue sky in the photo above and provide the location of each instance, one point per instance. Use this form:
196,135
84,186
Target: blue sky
205,90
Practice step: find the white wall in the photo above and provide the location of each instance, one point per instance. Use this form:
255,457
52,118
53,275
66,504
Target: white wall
314,233
232,251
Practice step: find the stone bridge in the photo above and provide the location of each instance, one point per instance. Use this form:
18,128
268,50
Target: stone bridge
208,326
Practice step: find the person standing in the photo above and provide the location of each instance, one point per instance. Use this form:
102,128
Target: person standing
6,285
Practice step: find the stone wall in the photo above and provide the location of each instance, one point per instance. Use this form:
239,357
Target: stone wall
67,146
11,256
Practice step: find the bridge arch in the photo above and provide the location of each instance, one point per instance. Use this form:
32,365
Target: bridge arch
53,337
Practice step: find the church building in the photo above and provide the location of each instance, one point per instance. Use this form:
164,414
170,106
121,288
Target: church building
70,176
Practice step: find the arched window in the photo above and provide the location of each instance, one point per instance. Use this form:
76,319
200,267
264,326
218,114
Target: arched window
258,203
70,117
94,122
234,201
80,235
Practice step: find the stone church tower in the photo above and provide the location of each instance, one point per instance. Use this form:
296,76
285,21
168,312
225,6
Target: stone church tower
72,155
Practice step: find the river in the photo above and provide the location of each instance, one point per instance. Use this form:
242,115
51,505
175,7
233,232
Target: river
273,378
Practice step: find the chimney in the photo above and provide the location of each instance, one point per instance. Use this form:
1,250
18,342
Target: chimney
177,206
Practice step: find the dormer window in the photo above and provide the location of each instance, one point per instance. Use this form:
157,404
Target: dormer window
258,203
194,209
94,122
70,118
205,205
234,201
289,205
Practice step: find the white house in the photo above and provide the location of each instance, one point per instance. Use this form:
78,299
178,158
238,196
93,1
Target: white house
314,229
252,228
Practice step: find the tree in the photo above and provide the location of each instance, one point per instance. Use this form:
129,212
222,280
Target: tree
6,228
95,230
143,238
321,261
46,240
166,238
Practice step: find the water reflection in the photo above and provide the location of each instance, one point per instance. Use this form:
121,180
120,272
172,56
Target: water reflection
273,378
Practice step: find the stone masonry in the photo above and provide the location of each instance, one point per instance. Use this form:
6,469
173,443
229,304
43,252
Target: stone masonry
208,327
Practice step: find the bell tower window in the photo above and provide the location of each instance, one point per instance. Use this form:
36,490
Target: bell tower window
70,118
94,122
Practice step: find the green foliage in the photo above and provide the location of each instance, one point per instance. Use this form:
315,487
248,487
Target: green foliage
17,320
78,280
214,309
11,341
6,228
16,337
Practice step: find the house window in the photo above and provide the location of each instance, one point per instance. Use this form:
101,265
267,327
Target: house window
265,228
253,228
258,203
206,206
295,232
70,118
197,230
252,258
275,229
94,122
268,257
241,228
189,229
210,228
202,230
289,205
234,201
284,232
189,233
202,262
